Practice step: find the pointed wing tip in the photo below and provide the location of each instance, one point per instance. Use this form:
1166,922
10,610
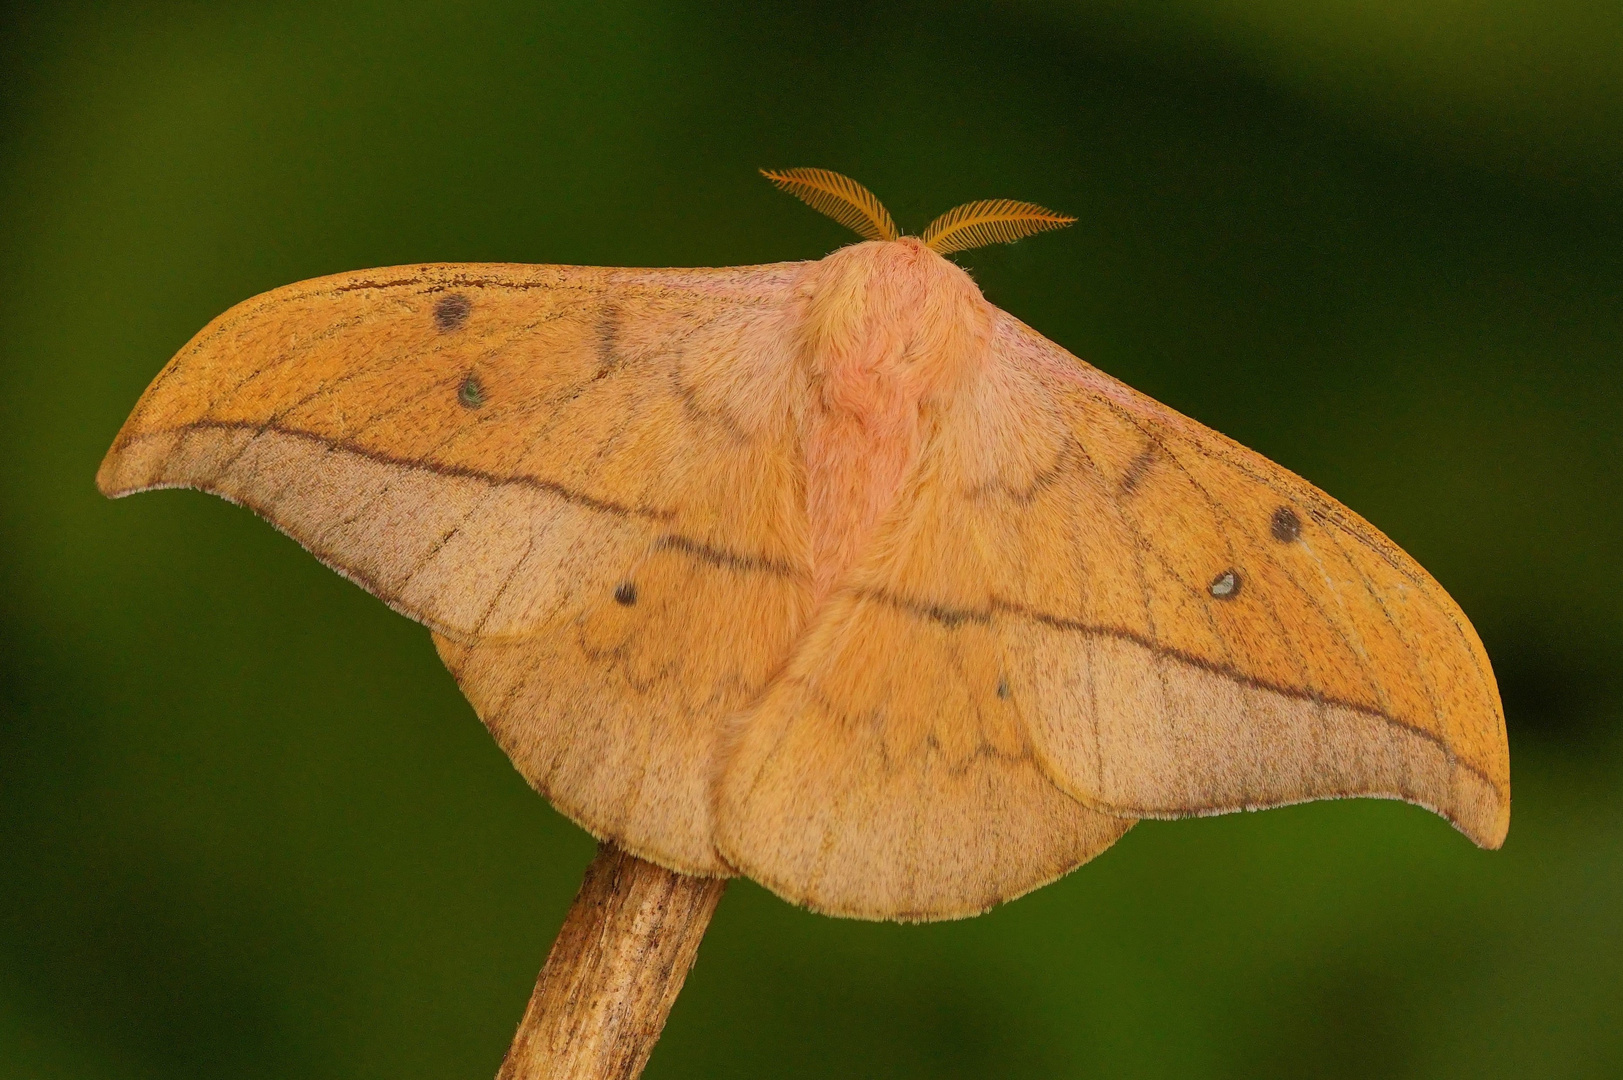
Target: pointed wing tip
1489,835
134,463
1479,807
109,480
1489,838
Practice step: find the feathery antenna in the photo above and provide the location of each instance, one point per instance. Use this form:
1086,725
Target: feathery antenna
990,221
839,197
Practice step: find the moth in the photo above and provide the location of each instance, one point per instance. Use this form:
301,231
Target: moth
830,573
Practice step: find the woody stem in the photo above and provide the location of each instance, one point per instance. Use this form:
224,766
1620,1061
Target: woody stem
614,972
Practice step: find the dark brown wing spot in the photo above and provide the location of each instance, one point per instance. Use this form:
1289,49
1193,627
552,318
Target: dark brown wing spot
471,394
1003,689
1225,586
450,312
625,594
1285,525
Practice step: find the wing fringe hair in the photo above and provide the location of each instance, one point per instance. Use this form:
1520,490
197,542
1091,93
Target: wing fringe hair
989,221
840,198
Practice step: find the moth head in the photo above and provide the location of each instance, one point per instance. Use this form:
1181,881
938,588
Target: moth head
972,225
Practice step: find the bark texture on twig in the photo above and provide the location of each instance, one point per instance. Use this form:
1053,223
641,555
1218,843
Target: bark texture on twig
614,972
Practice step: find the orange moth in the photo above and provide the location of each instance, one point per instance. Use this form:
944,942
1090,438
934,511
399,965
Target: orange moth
830,573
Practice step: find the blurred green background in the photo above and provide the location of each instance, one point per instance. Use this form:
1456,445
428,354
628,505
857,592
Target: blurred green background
248,828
